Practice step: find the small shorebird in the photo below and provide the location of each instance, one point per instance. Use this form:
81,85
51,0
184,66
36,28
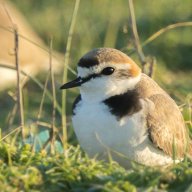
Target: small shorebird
123,112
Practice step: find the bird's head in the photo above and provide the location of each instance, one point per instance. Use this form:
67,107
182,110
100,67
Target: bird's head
105,72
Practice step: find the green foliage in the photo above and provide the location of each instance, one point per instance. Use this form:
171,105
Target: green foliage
40,171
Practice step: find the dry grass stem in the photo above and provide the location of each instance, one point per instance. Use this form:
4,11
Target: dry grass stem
165,29
35,80
137,44
10,133
43,98
135,35
152,63
53,130
66,63
36,44
11,116
19,84
37,123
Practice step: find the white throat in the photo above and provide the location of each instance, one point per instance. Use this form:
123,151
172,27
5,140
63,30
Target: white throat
99,89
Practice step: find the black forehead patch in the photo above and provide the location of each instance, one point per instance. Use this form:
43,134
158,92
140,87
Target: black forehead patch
88,62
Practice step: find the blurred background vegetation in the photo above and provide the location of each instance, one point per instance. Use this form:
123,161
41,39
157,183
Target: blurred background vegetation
105,23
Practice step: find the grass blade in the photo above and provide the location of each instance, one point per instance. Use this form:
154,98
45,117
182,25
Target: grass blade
65,71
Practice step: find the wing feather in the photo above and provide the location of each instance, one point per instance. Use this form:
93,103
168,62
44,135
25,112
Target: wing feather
166,126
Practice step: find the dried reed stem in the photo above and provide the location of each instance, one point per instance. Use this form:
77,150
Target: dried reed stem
135,35
66,62
42,99
37,123
35,80
19,86
11,116
165,29
36,44
53,128
10,133
151,67
137,44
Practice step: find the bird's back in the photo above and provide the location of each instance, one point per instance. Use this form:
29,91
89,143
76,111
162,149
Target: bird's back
165,122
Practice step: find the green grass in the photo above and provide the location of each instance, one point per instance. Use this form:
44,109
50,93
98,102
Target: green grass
23,170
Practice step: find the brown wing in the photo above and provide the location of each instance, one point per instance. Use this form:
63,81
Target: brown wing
166,126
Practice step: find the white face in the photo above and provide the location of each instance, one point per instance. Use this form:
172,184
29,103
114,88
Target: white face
104,86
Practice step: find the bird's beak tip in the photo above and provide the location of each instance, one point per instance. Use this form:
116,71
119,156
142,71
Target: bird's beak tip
75,83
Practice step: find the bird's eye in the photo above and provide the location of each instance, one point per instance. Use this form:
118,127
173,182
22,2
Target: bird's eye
108,71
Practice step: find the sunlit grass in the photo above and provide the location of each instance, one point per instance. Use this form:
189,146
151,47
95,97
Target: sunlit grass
23,169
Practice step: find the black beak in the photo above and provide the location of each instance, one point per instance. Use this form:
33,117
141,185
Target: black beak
79,81
75,83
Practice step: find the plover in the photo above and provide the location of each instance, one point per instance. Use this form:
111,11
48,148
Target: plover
122,112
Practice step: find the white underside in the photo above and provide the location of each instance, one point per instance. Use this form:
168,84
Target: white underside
100,134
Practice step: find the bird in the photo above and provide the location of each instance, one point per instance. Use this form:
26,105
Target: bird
123,114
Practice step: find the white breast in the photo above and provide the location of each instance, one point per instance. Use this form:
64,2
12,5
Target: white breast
99,132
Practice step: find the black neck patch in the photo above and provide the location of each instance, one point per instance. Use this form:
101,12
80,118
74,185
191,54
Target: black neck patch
124,104
77,100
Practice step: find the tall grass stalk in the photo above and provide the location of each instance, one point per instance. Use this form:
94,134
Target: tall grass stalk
164,30
36,44
18,129
135,35
137,44
19,84
11,116
65,71
161,31
36,81
53,128
42,99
